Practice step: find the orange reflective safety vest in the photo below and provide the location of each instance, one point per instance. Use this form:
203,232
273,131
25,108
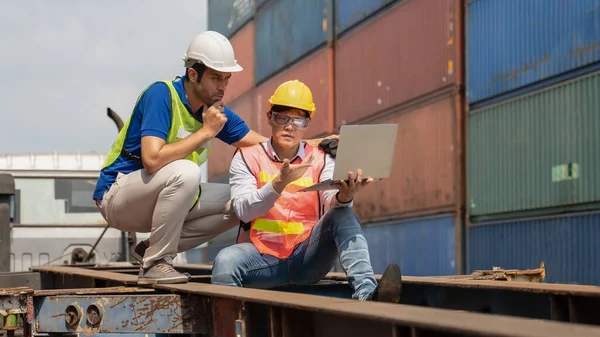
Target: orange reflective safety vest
291,220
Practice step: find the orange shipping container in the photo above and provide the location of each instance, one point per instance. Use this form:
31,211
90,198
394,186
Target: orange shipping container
408,51
221,153
314,72
426,170
243,46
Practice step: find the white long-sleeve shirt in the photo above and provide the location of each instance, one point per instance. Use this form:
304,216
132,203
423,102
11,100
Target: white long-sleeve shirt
250,203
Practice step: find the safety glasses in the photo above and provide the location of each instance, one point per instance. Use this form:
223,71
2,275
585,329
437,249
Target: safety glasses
284,120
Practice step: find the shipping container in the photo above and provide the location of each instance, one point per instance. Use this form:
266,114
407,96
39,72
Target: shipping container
536,151
287,30
421,247
567,244
243,46
314,72
221,153
349,13
408,51
228,16
426,164
514,43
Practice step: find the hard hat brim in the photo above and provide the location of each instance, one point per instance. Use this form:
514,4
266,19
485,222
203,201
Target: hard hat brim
188,62
234,69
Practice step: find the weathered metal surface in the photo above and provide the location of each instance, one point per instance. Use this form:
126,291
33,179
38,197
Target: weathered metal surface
313,71
221,153
535,153
91,314
287,30
514,43
406,52
93,291
62,277
568,245
314,315
521,299
30,280
424,246
500,274
243,46
227,16
424,172
14,300
349,13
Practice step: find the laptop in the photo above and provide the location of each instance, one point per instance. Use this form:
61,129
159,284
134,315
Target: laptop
369,147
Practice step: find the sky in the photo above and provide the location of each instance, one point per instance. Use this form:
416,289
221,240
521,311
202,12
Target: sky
63,62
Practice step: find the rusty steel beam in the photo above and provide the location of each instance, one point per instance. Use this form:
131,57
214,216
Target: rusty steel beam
121,313
230,311
560,302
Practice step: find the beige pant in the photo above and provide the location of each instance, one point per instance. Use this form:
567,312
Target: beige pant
159,204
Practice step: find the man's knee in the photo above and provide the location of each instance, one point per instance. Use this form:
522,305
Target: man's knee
185,172
341,214
226,266
227,260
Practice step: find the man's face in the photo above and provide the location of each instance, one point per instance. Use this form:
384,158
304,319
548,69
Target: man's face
288,127
211,87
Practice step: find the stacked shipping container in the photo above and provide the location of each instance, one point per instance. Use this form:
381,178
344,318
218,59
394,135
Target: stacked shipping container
403,65
532,122
387,62
533,136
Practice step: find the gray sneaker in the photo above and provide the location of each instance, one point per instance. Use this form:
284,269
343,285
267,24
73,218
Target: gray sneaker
161,273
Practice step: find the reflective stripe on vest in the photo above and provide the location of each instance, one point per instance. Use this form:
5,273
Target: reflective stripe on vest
294,214
182,125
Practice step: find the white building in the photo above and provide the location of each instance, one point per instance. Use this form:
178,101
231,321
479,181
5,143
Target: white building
53,212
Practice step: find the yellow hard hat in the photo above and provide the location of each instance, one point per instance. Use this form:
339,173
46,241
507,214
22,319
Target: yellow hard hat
294,94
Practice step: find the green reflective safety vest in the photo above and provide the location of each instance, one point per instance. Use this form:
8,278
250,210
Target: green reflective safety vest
182,125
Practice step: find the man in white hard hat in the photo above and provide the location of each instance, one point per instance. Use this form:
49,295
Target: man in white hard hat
150,181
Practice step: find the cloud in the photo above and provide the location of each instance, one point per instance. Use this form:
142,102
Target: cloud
65,61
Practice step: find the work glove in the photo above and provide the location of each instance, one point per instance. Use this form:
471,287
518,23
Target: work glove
329,146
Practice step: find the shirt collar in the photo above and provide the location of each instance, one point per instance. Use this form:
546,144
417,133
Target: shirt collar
178,85
271,151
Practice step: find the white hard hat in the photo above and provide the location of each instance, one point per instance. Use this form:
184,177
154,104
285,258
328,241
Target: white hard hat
213,50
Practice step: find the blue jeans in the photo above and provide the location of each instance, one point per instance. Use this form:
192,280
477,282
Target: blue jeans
337,234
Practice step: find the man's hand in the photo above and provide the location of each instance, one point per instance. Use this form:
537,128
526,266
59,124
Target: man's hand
316,141
289,173
329,146
214,118
349,190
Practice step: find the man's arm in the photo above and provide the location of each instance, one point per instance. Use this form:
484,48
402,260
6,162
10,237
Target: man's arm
329,197
251,138
248,202
155,114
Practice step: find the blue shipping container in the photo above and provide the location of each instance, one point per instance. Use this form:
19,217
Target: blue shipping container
286,30
515,43
228,16
351,12
567,244
421,247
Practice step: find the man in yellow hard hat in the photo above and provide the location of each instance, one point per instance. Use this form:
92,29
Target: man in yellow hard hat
288,237
150,181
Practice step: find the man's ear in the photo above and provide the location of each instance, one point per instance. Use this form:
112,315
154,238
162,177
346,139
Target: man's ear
269,115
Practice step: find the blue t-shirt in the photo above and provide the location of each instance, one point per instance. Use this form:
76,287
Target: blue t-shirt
152,117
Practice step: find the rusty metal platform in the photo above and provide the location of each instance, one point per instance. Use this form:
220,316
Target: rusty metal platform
559,302
106,300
